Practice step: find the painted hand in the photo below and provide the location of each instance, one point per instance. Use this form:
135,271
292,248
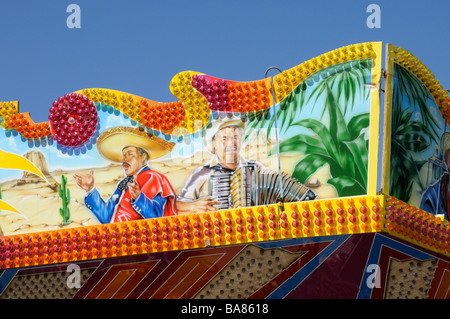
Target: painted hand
86,182
205,204
134,188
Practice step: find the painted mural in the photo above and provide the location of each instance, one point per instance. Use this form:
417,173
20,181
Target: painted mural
109,156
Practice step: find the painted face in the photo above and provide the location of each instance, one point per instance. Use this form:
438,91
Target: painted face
227,145
132,160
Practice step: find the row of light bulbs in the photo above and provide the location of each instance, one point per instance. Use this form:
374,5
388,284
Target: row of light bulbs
23,124
227,227
413,224
288,80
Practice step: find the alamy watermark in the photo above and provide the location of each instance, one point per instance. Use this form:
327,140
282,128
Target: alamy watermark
74,19
374,279
374,19
74,279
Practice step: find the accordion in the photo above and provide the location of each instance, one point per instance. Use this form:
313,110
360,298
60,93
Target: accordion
250,185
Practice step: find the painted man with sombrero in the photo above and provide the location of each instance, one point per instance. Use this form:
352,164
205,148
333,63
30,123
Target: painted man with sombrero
143,193
436,199
224,141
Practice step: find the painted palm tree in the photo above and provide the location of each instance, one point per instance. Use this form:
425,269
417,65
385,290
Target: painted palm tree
340,144
410,134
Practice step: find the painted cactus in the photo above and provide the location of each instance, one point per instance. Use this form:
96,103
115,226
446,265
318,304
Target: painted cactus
64,193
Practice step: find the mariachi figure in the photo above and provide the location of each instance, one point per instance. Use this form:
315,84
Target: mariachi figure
143,192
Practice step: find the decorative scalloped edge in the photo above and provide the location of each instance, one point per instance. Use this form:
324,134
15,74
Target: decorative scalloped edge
288,80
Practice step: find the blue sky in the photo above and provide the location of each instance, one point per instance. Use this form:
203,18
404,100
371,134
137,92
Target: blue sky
138,46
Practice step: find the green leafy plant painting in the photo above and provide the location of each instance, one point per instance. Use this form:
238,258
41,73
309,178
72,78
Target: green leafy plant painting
413,130
335,136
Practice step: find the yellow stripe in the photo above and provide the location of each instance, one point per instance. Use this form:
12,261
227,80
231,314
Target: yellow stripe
374,122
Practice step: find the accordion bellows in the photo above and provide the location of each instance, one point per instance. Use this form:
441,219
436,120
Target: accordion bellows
250,185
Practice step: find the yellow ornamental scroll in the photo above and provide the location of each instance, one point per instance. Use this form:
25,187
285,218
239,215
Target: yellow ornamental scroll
7,207
14,161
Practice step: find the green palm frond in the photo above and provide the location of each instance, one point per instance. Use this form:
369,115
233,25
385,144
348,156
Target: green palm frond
410,135
348,79
301,143
408,90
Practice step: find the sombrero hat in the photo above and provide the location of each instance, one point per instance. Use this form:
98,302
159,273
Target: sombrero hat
216,125
111,142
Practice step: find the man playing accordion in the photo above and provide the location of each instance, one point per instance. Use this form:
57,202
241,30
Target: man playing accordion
224,142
